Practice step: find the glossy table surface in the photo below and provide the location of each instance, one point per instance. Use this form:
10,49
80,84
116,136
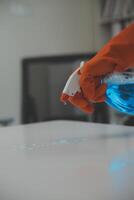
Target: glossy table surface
67,160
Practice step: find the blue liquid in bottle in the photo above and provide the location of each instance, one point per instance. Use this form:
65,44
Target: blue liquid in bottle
120,94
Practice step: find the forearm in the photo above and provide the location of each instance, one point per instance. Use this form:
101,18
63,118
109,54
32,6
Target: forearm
117,54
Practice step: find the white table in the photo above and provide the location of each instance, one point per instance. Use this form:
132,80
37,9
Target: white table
64,160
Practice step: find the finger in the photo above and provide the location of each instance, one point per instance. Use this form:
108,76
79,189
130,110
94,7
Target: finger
92,89
88,87
100,99
64,97
100,93
80,102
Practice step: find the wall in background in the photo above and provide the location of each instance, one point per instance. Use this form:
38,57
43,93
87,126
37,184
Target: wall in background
44,27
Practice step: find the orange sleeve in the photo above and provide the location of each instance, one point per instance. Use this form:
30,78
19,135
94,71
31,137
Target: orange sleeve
119,51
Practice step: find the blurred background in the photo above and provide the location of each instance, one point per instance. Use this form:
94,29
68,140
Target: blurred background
41,43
